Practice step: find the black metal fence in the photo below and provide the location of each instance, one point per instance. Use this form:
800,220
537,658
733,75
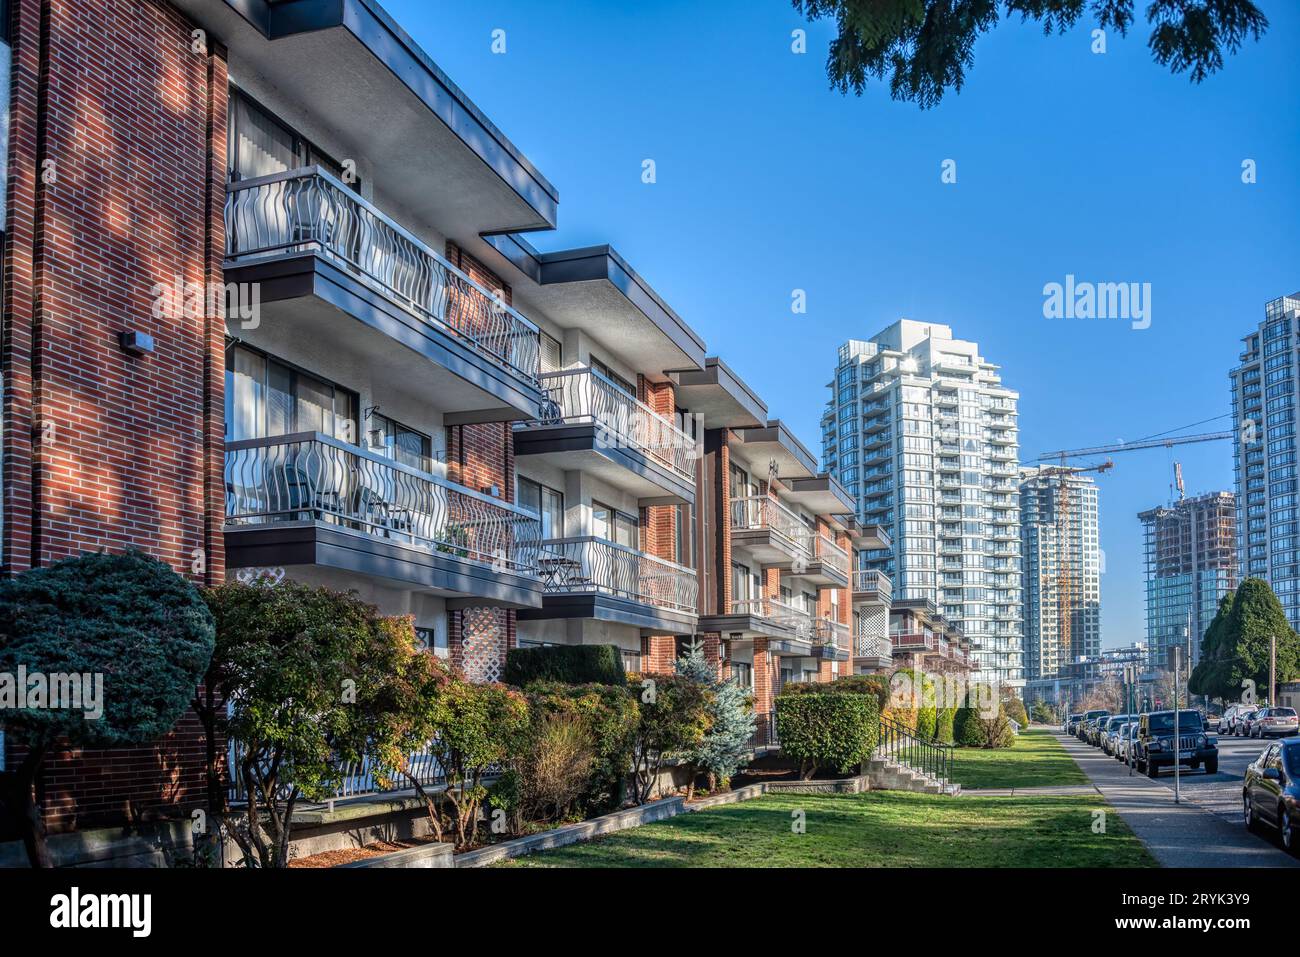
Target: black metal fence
903,746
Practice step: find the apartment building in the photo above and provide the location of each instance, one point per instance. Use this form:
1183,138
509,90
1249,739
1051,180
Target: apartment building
1264,460
294,332
1062,569
1190,563
922,433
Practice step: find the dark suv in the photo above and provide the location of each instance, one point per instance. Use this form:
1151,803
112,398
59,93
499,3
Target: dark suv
1155,746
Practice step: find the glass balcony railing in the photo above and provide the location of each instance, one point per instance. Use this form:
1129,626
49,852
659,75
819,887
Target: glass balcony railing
309,210
309,476
594,565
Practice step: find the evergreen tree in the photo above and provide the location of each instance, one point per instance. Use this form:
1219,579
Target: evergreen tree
1256,617
726,744
1206,676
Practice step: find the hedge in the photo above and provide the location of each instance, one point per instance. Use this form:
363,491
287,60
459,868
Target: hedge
567,664
838,731
945,726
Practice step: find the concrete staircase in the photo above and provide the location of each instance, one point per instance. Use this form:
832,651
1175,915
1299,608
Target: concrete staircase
888,775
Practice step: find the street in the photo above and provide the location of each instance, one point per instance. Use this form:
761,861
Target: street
1206,830
1220,793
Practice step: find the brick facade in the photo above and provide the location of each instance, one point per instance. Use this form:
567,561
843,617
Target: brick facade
117,166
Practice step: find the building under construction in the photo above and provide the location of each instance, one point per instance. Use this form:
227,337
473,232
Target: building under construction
1191,563
1062,569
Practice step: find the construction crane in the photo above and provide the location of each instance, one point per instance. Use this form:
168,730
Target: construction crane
1065,567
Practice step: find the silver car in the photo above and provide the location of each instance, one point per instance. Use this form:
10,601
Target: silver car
1274,723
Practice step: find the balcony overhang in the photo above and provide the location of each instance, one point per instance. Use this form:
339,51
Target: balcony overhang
816,572
719,395
305,297
294,544
775,443
651,619
595,290
829,653
767,546
746,626
871,535
585,448
823,495
433,153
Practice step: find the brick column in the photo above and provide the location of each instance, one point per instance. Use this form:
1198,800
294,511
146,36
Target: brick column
762,681
658,654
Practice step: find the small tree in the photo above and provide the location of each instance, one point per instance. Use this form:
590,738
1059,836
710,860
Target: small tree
673,719
128,619
308,676
732,722
1043,713
478,729
1244,642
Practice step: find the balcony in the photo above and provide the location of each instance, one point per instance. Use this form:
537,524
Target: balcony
597,579
310,500
590,424
828,567
914,642
873,586
333,270
772,533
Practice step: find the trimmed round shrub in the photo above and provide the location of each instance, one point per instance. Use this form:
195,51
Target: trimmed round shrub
827,730
1015,709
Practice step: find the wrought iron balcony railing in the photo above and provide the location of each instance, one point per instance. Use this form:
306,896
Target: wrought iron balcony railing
585,396
308,476
309,209
581,565
764,513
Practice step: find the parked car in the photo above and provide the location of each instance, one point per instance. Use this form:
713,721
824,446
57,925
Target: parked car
1271,791
1245,721
1213,721
1109,729
1089,717
1072,723
1095,728
1156,748
1228,723
1126,741
1274,722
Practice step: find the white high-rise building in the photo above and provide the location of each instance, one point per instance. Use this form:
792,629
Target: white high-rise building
1264,407
923,434
1056,604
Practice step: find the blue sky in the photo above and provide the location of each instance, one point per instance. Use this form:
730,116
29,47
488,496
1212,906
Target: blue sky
1101,165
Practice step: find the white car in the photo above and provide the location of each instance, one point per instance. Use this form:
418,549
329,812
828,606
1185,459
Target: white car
1275,722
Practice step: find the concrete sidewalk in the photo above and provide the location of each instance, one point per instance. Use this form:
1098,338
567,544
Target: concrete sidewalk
1178,835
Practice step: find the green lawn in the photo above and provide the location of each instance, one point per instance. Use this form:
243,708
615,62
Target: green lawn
877,829
1037,760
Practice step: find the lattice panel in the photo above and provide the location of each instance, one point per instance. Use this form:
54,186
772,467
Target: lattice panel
873,630
483,643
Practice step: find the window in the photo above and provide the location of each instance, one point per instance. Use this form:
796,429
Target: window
686,535
261,145
395,441
552,354
613,376
742,672
741,583
547,502
266,397
741,486
612,525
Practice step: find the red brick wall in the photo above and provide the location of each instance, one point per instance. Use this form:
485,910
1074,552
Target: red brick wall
127,450
481,455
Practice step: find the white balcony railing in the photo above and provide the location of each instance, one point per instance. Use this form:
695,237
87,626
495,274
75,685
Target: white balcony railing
805,626
873,583
585,396
830,554
309,476
594,565
764,513
310,210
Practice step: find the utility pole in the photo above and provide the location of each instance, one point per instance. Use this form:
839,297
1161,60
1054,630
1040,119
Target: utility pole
1178,744
1272,670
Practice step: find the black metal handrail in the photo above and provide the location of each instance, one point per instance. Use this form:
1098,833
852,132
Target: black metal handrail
904,746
